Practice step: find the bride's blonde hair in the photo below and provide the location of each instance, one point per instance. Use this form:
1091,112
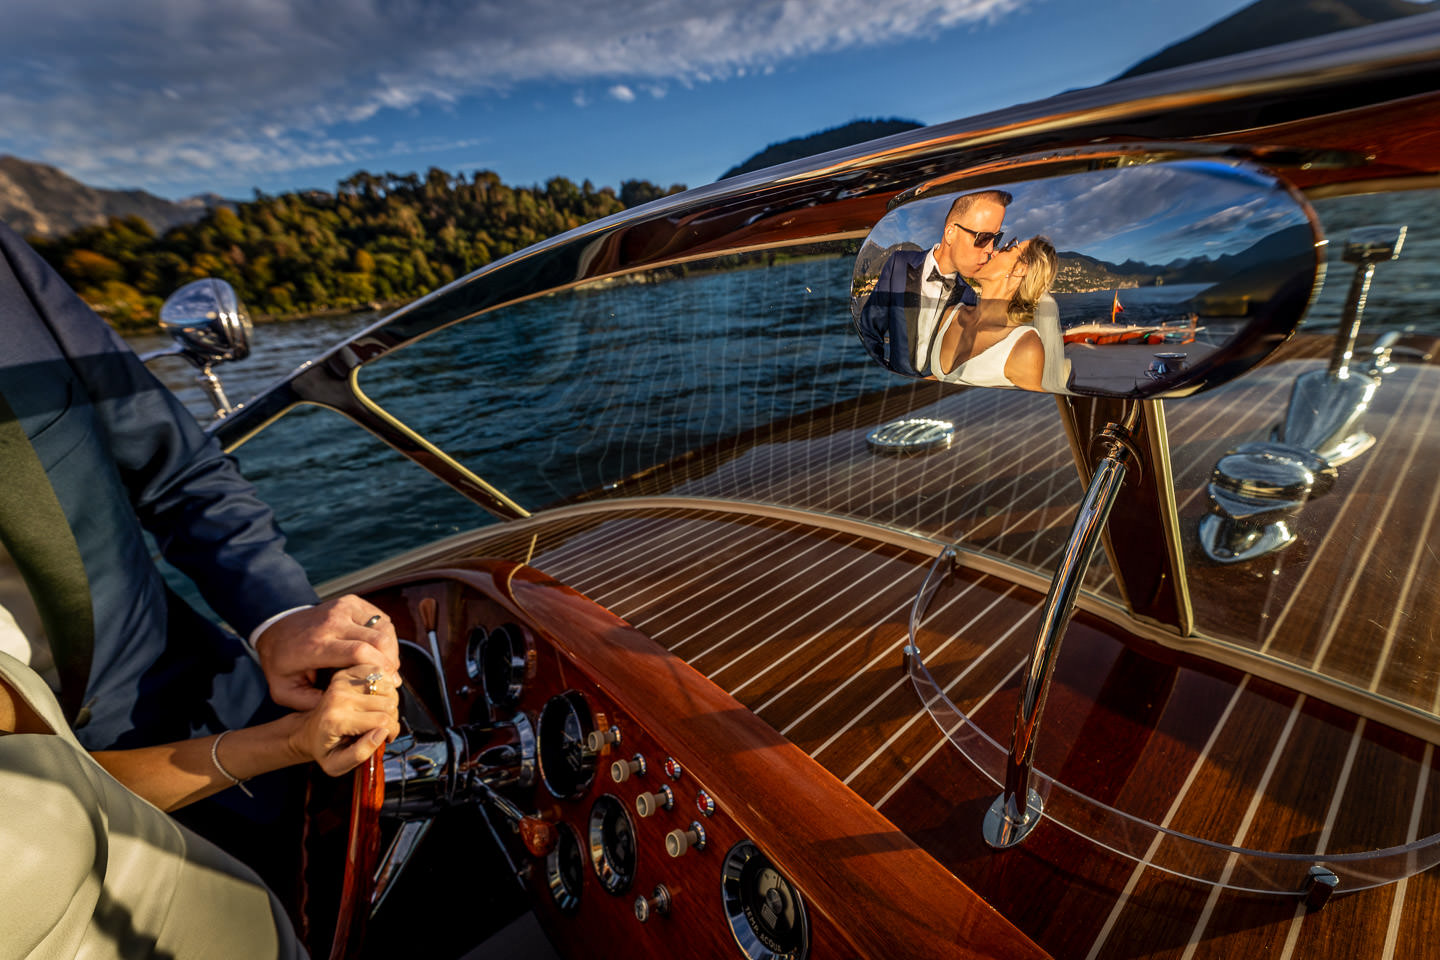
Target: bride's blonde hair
1041,265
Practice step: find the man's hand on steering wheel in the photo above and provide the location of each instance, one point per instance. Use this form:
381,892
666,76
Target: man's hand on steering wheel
340,633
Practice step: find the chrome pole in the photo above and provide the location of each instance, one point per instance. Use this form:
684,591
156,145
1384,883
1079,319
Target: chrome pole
1016,811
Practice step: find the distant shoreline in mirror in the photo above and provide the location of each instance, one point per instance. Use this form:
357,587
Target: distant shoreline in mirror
1157,279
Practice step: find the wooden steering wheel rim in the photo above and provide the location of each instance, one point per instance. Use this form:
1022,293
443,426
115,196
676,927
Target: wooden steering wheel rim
362,854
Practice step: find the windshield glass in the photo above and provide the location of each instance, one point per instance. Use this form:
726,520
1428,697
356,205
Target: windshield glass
739,379
1349,597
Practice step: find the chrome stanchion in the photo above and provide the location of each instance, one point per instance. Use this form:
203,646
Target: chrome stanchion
1016,811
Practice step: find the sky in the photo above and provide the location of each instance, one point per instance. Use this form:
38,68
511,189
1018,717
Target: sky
180,97
1169,211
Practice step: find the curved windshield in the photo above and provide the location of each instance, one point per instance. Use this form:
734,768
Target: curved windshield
737,379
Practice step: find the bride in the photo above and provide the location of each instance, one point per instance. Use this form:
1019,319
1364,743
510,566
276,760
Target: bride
995,343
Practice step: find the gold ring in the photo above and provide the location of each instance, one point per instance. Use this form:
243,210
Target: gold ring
372,682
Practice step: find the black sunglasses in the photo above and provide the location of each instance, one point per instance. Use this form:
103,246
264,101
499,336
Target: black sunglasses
983,238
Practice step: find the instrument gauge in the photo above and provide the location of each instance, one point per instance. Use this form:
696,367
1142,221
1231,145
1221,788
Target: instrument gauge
766,912
501,665
473,646
612,844
566,765
565,869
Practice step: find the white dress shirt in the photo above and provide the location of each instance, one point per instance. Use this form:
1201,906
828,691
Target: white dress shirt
933,296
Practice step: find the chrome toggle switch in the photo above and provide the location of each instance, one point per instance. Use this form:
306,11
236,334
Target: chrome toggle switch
657,904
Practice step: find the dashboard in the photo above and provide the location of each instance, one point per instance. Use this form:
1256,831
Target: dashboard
647,813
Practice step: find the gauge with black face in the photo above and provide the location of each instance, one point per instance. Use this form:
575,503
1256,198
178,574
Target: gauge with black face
612,844
566,765
473,645
766,913
565,869
501,665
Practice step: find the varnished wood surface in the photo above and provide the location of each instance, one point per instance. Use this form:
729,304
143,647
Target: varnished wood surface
804,627
802,623
1007,486
869,890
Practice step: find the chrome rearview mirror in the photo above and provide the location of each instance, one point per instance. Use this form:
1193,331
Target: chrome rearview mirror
1156,279
209,325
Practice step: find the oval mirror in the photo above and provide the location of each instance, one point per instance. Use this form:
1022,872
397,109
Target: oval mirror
1156,279
208,321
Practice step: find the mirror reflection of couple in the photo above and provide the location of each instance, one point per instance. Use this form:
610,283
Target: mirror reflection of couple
972,309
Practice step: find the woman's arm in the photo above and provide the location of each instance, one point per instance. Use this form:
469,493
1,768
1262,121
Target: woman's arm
1026,362
16,716
339,734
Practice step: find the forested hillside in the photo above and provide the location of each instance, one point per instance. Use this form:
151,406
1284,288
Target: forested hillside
379,239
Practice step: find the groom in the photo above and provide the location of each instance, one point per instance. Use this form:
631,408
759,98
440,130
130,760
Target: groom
914,289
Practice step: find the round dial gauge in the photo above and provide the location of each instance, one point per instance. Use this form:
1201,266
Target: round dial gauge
566,765
612,844
473,644
502,666
766,913
565,869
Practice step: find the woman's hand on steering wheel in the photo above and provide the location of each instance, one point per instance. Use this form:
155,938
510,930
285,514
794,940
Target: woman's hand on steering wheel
357,714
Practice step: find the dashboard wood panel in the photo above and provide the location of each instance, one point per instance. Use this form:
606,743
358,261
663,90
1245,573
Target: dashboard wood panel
869,890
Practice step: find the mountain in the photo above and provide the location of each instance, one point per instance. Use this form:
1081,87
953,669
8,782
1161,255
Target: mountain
857,131
36,199
1269,22
1259,269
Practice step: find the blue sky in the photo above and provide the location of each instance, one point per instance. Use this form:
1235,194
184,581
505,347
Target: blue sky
1188,209
183,96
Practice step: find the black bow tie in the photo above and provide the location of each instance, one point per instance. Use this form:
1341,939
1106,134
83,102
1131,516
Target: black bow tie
937,277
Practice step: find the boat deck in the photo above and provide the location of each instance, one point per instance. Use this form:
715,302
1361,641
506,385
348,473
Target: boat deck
802,619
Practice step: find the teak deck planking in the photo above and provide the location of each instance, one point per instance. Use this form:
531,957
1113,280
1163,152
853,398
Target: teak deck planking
803,623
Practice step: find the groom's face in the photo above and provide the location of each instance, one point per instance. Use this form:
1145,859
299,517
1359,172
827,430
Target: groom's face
958,242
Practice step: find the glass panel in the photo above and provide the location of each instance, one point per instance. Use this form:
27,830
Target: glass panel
1349,595
343,498
737,378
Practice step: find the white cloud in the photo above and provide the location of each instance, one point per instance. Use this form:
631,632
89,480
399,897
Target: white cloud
193,78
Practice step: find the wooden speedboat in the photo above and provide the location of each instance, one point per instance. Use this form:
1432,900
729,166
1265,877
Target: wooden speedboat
1102,333
671,708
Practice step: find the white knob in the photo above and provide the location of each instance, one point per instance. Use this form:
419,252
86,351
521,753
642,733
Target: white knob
622,770
648,803
677,842
599,739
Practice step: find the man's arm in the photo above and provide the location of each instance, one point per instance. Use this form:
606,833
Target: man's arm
874,316
206,518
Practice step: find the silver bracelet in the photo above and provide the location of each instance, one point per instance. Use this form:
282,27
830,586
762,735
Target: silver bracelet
215,759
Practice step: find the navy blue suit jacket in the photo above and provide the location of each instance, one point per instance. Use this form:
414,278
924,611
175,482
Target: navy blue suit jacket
125,457
889,321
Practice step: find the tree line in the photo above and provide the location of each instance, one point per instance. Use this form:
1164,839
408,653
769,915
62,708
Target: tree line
379,239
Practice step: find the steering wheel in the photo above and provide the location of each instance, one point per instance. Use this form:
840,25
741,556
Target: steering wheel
362,854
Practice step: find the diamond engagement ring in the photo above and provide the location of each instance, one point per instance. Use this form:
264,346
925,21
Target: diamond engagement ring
372,682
